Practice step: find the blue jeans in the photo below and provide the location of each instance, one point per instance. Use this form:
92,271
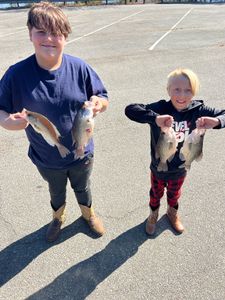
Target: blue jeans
79,177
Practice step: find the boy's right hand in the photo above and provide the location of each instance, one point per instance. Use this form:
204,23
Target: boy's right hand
13,121
164,121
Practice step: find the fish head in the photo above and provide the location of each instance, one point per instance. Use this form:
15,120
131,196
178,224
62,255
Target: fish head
29,116
88,104
87,112
31,119
87,109
167,130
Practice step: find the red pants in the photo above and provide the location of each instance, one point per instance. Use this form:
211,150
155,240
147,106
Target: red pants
157,190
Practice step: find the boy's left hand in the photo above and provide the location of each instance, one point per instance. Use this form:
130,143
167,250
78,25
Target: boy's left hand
207,122
97,104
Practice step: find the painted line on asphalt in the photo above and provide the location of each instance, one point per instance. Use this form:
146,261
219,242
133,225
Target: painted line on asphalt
171,29
106,26
11,33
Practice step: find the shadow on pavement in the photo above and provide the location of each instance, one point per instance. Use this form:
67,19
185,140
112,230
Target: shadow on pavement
81,280
15,257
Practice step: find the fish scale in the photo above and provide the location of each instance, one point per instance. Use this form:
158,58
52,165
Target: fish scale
83,128
166,148
192,148
47,129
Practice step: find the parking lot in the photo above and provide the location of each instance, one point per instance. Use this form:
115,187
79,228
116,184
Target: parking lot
132,48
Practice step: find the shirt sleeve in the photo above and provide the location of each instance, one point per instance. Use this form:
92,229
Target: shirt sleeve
94,85
214,113
6,93
141,113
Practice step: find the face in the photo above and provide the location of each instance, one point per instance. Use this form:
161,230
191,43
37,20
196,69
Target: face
180,92
48,47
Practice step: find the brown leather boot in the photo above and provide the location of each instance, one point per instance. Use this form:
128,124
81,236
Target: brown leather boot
93,221
54,227
151,221
174,219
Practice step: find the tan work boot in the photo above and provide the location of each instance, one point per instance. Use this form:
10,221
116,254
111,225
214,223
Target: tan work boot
174,219
93,221
54,227
151,221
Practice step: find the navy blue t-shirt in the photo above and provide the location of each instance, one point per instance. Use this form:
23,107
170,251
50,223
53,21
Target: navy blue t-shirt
55,94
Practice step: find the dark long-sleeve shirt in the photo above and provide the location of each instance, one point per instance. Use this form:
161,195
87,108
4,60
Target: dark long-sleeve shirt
184,123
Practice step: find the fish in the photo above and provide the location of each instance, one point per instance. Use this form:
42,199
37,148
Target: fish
83,128
48,130
166,147
192,148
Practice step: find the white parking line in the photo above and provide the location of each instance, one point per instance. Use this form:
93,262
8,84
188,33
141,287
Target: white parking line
156,43
11,33
99,29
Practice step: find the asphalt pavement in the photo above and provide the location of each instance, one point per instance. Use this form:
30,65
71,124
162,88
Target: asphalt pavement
132,48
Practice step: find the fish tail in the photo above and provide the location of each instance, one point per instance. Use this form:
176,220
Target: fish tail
162,167
63,150
199,157
181,156
188,167
181,166
79,152
185,165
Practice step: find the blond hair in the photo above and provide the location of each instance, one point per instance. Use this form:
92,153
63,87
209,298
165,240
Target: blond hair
48,17
189,74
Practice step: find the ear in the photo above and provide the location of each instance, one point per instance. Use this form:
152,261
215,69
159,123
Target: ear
30,35
168,90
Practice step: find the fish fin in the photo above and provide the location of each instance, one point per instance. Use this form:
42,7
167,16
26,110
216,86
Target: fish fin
156,154
45,137
181,156
48,140
63,150
171,157
188,167
56,131
73,142
77,156
79,152
74,154
182,166
199,157
162,167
